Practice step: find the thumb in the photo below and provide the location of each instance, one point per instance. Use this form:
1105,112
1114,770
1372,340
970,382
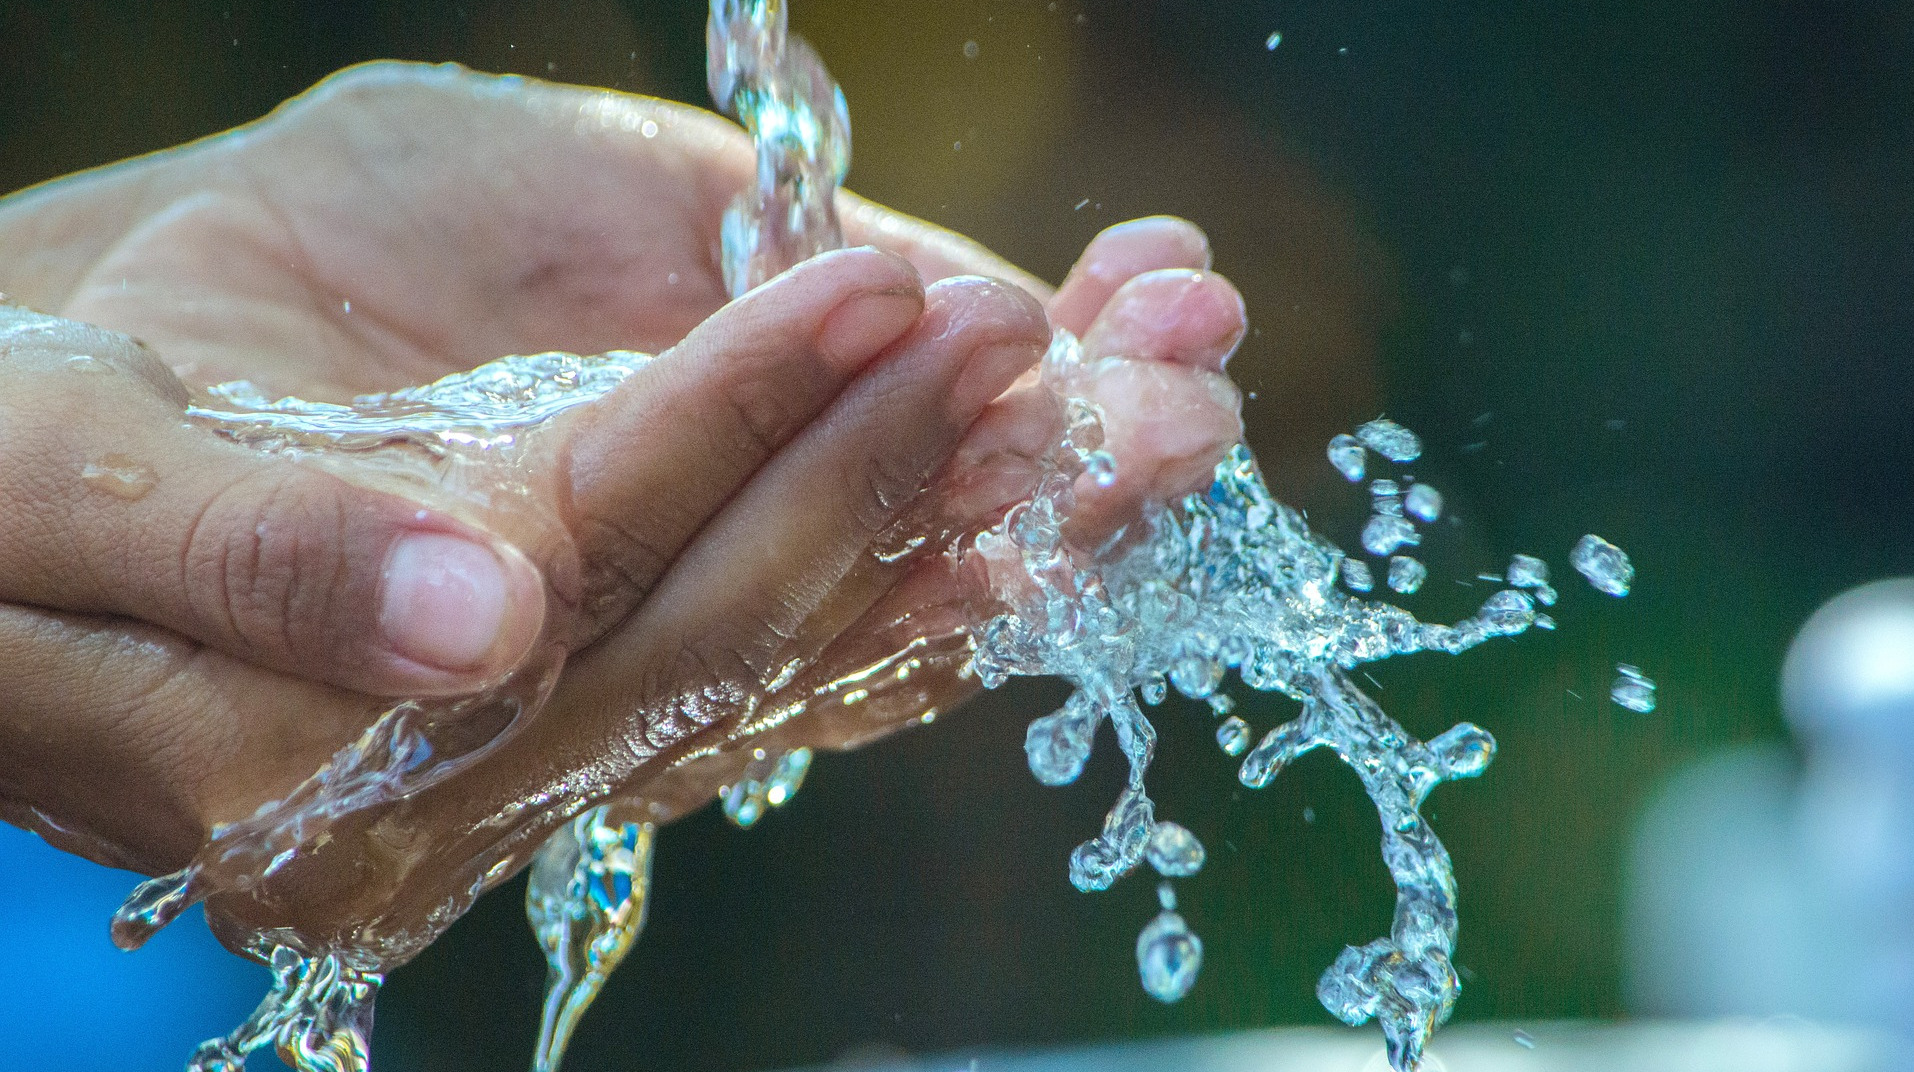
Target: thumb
111,503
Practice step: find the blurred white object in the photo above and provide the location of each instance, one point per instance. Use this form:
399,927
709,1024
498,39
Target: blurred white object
1780,1045
1766,884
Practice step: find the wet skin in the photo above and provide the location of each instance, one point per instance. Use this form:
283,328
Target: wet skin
701,547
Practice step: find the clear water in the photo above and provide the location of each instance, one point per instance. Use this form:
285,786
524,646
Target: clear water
1230,580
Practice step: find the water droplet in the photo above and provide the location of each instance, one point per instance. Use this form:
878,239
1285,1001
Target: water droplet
1348,456
970,50
1272,41
1527,571
1383,534
1385,497
119,476
1168,957
1424,502
1221,703
1174,851
1632,689
1391,440
1232,736
649,128
1406,574
1101,467
1605,565
1309,815
1058,744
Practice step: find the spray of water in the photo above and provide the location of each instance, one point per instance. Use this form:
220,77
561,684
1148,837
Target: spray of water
1226,581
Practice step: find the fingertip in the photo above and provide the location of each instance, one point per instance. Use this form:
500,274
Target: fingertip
1193,318
1119,254
1000,328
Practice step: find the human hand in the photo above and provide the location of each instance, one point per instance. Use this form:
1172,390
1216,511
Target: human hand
203,272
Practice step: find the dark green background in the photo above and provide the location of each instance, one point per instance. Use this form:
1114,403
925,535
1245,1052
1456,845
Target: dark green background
1655,255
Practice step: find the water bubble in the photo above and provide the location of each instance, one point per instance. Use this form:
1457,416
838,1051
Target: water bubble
1168,957
1348,456
1632,689
1355,574
1524,1039
1423,502
1383,534
1406,574
1391,440
119,476
1605,565
1272,41
970,50
1221,703
1174,851
1232,736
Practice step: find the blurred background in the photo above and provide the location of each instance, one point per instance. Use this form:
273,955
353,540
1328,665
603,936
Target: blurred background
1639,268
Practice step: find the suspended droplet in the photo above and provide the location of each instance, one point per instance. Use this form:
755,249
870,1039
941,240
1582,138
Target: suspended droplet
1383,534
1168,957
1527,571
1385,497
1423,502
1348,456
1391,440
1232,736
1605,565
1058,744
1632,689
1174,851
1406,574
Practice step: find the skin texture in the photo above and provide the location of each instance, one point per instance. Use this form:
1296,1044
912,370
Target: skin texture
697,546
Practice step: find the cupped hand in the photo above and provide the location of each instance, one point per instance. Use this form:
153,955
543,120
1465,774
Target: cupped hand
170,660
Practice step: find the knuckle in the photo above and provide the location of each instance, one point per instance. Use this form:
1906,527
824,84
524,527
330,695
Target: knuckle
761,416
889,483
265,560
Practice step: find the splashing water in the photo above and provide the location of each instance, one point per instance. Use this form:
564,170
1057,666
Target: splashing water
586,901
1230,579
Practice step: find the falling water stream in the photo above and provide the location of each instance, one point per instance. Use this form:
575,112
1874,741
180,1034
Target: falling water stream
1227,580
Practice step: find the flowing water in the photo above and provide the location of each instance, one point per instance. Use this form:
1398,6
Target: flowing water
1228,580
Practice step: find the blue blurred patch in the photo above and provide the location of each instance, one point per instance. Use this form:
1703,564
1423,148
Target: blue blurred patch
70,1000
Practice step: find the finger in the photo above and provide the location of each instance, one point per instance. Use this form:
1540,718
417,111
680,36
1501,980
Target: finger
1156,357
1118,255
118,506
937,253
130,743
652,461
688,660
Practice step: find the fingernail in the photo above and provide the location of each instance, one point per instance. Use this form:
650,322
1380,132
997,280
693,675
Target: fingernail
863,325
1137,245
987,373
444,601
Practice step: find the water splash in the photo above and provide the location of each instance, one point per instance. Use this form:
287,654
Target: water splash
586,901
318,1016
464,433
1227,580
